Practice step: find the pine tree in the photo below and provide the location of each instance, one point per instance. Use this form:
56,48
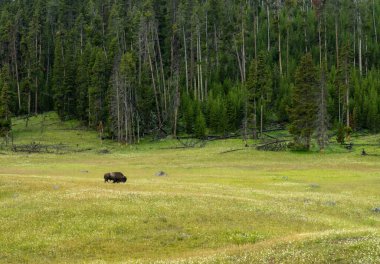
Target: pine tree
188,114
59,74
341,134
97,90
303,112
259,86
5,120
252,87
373,111
82,83
5,99
70,87
343,83
322,115
123,95
193,48
200,125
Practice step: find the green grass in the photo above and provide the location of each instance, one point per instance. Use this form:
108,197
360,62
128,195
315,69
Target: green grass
239,207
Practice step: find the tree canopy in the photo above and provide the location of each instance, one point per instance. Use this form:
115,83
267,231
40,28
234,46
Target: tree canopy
179,66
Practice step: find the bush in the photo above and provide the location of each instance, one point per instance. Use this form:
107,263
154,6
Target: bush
200,125
5,127
340,134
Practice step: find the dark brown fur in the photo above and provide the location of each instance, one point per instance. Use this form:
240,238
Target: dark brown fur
115,177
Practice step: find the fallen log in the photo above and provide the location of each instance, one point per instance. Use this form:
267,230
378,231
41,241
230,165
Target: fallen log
278,145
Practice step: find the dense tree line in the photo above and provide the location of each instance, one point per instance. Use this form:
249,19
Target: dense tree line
193,66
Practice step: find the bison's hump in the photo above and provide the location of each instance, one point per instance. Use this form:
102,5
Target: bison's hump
117,174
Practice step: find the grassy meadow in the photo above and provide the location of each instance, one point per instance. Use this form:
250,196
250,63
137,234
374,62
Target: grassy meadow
212,207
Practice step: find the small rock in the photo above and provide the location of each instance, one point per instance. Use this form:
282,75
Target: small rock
376,210
161,174
314,185
56,187
183,236
330,203
306,200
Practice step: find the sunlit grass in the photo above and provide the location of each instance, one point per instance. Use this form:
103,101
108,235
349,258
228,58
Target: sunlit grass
239,207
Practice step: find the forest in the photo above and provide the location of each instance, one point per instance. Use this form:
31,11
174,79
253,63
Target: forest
133,68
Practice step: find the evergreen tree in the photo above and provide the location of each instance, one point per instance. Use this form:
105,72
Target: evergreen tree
97,90
5,99
340,137
322,115
124,114
62,50
82,84
343,84
59,74
373,110
259,86
5,120
304,108
188,114
200,125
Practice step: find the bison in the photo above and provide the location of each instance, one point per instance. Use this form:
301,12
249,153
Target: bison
115,177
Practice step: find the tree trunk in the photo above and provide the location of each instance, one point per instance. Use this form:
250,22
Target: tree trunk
320,43
325,36
347,96
36,97
207,61
336,40
254,119
192,63
279,37
161,63
200,67
29,102
216,48
255,22
374,20
243,60
154,86
36,78
17,73
304,28
339,106
239,62
360,54
186,68
261,118
176,106
354,62
117,86
159,81
268,26
287,51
